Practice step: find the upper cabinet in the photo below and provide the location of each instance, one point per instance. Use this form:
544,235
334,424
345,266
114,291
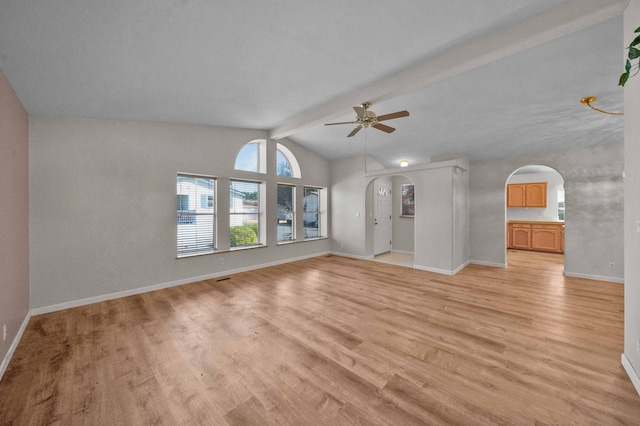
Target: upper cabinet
527,194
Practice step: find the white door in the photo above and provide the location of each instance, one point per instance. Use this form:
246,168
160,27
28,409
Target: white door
381,217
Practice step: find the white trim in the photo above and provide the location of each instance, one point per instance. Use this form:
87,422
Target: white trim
140,290
401,251
353,256
493,264
461,267
14,345
631,372
594,277
436,270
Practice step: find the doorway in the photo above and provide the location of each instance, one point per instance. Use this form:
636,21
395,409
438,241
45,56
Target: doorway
392,232
535,212
382,216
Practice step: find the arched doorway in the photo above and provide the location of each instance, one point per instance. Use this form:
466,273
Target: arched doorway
535,213
391,220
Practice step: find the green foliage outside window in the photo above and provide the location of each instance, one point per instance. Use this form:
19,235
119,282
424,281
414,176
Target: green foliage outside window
245,235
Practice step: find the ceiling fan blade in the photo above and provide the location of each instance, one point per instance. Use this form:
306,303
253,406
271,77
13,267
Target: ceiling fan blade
343,122
361,111
354,131
393,115
383,127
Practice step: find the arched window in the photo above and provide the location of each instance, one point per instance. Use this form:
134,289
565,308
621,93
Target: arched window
252,157
286,163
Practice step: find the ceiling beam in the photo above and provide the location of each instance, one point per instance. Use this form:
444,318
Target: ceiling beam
573,16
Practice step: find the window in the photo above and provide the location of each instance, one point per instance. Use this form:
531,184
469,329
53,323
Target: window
245,213
283,167
286,212
286,163
252,157
206,201
561,204
195,220
313,217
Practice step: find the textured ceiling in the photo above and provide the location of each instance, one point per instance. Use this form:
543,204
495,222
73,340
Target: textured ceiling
258,64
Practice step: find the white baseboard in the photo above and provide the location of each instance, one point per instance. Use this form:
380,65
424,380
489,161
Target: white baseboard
631,372
493,264
436,270
352,256
14,345
140,290
461,267
402,252
594,277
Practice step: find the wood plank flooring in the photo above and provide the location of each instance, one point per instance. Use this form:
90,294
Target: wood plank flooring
334,341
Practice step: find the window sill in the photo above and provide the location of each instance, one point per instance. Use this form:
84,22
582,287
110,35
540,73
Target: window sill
257,246
285,243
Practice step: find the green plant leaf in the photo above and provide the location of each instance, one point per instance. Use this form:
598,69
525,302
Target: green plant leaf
634,53
623,79
637,30
627,67
635,42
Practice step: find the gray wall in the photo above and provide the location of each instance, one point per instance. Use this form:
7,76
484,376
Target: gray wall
554,183
403,228
102,197
632,206
440,246
14,211
594,195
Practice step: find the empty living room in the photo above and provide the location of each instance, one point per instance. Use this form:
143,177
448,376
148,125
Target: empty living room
304,213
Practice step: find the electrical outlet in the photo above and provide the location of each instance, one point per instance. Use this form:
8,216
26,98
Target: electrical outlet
4,332
221,261
612,265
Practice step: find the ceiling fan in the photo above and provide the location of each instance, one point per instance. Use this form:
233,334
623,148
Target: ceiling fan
366,118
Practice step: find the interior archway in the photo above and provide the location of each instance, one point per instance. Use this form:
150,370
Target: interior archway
400,249
535,212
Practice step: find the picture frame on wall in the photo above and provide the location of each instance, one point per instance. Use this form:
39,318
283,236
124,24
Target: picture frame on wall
408,207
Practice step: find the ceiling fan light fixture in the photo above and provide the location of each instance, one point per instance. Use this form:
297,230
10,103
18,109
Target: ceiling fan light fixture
404,163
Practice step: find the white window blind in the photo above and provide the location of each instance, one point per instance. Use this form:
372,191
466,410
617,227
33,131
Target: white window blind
195,215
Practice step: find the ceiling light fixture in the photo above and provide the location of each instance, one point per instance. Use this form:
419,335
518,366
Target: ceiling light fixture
404,163
587,101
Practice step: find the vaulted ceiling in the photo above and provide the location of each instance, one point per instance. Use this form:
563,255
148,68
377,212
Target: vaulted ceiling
481,78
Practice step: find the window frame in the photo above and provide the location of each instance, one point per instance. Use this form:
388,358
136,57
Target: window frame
191,218
261,157
260,231
294,166
320,211
292,213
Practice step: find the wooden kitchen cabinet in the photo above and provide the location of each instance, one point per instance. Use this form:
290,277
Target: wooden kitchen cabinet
527,194
516,195
521,236
536,236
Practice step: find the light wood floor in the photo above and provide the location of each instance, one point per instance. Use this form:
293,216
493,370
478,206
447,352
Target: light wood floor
331,341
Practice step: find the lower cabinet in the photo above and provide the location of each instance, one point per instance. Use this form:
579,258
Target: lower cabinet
536,236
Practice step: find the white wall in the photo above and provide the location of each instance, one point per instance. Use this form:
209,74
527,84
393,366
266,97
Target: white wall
594,196
102,204
554,183
631,357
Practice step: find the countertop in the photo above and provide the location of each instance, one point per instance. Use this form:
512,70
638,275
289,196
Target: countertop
539,222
